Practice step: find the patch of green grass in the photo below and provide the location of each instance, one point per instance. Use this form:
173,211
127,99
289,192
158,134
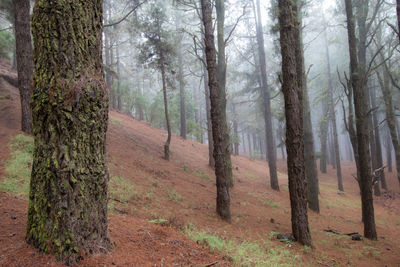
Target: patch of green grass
250,176
246,253
370,251
121,188
270,203
348,203
201,175
174,196
116,121
330,204
18,168
160,220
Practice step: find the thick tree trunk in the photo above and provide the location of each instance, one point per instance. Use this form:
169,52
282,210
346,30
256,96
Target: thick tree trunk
24,60
358,80
67,213
269,136
219,127
211,161
290,44
221,72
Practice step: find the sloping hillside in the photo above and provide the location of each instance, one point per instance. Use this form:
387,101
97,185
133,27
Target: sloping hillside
157,207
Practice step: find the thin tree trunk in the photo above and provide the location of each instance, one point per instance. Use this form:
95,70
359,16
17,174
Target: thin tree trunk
358,80
182,106
249,142
236,138
219,127
164,85
67,212
290,46
211,161
119,100
324,137
378,143
24,60
269,136
388,148
332,117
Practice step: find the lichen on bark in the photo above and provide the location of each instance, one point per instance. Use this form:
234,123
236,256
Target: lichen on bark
67,213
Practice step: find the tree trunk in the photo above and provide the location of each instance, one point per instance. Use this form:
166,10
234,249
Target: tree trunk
358,80
309,156
388,148
221,72
236,138
211,161
249,142
332,117
324,137
398,17
119,100
67,213
182,107
290,46
164,85
378,143
219,127
269,136
24,60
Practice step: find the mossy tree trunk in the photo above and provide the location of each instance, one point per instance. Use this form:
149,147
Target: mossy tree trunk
290,46
67,213
24,60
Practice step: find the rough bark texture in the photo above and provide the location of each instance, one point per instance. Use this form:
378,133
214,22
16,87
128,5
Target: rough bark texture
24,60
358,80
67,213
289,34
218,123
221,72
269,136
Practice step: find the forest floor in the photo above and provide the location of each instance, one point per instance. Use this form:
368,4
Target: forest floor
163,213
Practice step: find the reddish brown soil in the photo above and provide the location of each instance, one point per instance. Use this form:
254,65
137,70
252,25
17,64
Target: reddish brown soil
183,191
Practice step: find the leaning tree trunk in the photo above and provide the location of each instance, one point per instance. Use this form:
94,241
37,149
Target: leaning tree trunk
358,81
290,45
24,60
221,68
269,136
67,213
